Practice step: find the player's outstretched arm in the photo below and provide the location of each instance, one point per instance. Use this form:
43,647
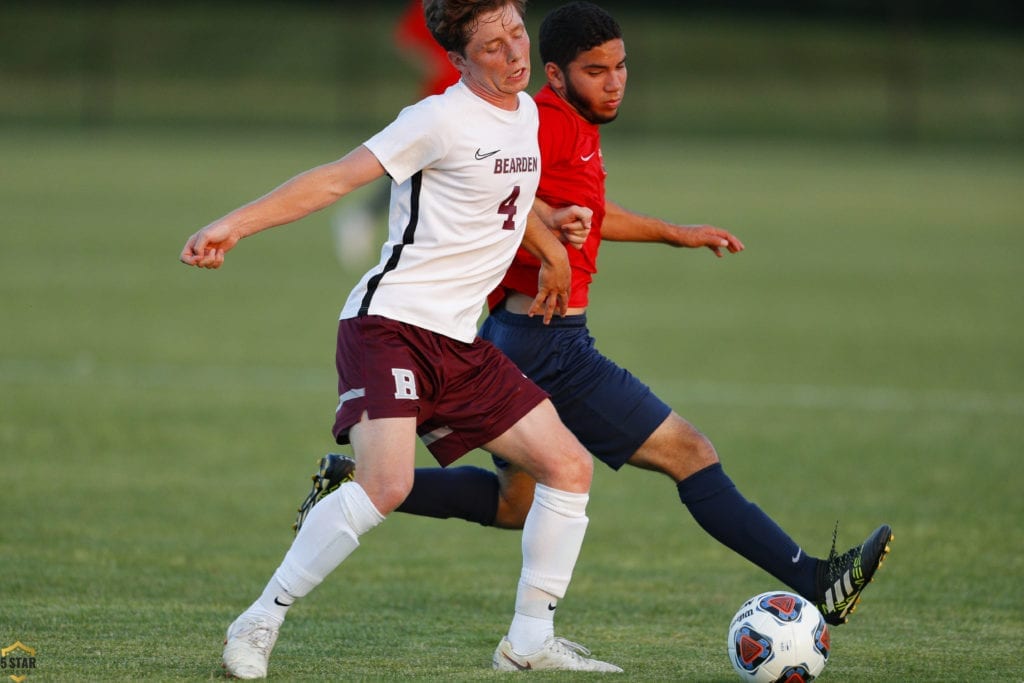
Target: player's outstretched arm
302,195
623,225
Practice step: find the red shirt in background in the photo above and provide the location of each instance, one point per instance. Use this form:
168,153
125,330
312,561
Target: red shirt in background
413,37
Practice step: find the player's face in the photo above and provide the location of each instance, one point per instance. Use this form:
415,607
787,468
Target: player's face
497,62
595,82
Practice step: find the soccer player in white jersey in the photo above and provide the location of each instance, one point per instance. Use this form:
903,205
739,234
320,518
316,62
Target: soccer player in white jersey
465,168
615,415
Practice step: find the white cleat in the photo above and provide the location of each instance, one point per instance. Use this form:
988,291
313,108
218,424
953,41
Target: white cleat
247,646
556,654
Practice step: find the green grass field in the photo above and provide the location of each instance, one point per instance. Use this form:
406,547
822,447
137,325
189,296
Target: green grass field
861,361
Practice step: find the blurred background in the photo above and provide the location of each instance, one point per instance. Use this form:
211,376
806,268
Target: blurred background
860,361
901,71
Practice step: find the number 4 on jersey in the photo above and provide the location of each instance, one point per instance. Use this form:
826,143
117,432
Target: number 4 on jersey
508,208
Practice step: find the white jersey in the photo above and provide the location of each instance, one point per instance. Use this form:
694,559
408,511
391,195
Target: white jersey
464,175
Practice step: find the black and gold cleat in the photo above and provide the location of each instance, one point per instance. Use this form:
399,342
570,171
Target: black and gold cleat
842,578
334,470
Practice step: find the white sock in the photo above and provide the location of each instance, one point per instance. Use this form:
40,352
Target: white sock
552,538
274,602
329,535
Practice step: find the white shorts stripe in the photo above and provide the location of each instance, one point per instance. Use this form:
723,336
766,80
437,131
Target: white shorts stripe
349,395
435,435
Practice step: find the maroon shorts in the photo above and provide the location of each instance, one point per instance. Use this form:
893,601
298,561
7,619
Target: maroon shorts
462,395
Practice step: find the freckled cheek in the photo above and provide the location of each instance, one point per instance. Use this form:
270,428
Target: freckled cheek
521,48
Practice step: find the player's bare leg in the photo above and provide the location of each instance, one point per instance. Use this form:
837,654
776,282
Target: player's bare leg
552,536
680,451
542,446
676,448
515,496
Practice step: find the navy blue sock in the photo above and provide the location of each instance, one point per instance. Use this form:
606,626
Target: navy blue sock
469,493
738,524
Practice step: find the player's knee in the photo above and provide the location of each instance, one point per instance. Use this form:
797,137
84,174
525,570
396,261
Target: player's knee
704,453
388,494
677,449
571,470
689,444
584,465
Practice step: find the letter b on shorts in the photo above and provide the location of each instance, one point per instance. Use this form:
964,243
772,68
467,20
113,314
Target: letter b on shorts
405,383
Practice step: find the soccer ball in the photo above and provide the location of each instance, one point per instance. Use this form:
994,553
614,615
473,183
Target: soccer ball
778,637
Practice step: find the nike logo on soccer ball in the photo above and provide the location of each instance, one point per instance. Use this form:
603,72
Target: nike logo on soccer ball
796,558
282,604
483,155
552,607
588,157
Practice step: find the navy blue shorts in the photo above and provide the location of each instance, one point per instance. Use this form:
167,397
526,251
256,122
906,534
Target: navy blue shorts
609,410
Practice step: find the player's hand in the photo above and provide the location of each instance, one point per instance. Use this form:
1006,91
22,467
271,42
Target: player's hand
552,289
709,236
206,248
573,224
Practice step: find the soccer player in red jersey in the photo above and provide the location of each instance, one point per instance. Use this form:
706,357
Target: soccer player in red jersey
616,416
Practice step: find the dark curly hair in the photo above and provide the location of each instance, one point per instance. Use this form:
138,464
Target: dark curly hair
452,22
572,29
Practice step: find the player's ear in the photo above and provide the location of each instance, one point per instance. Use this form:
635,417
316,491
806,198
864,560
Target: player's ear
555,76
457,60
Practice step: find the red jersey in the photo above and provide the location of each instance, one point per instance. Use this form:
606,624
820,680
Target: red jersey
412,34
572,172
